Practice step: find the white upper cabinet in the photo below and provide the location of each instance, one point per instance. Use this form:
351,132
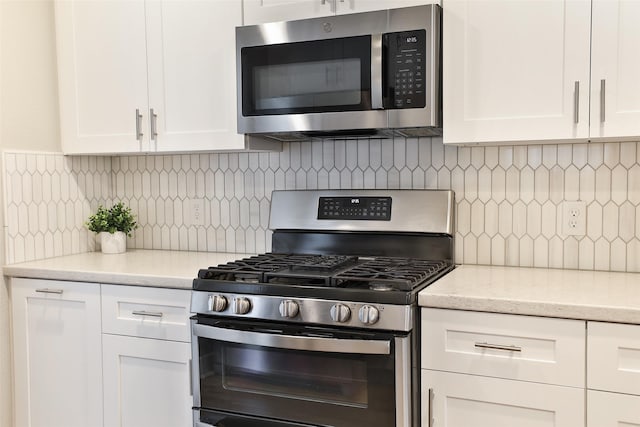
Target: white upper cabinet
192,74
615,67
261,11
172,61
102,75
515,71
355,6
520,71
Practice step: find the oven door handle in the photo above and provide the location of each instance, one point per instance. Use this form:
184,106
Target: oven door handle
290,342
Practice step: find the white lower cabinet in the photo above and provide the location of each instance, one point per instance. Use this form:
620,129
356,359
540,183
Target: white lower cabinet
612,409
613,375
460,400
56,353
146,356
146,382
88,355
501,370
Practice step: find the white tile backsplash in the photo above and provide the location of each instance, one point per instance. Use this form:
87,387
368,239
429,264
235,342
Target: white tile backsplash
508,198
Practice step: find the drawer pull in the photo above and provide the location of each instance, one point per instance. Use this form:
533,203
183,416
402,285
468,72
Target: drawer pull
431,396
498,347
147,313
50,291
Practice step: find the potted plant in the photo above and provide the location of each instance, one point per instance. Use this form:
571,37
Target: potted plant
113,225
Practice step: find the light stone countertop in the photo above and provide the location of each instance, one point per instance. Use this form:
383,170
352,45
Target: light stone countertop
167,269
572,294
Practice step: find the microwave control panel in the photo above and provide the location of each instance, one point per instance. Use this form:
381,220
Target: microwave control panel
404,56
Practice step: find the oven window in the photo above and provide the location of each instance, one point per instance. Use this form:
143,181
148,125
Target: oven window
307,77
308,387
312,377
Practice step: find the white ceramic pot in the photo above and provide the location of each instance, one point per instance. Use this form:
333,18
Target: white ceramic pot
115,243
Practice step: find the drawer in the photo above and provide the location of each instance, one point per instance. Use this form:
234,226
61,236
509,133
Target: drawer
146,312
613,357
506,346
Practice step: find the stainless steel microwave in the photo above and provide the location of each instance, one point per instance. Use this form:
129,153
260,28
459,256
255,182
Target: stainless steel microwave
373,74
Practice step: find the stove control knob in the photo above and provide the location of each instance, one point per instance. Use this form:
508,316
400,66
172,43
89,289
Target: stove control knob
241,305
340,313
217,303
288,308
368,314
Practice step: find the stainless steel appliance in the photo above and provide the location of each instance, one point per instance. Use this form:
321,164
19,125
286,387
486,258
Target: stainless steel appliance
323,330
364,74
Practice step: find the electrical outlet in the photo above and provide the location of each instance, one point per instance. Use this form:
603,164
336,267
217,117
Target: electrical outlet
574,218
196,211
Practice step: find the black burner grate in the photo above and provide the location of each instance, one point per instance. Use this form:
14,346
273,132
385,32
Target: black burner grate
387,273
342,271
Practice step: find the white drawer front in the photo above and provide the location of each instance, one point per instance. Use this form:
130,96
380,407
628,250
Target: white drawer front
146,312
516,347
613,357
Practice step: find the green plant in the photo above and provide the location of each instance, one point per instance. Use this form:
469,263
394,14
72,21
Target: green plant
116,218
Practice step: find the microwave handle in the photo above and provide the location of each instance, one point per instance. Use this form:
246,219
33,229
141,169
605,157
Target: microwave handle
291,342
376,72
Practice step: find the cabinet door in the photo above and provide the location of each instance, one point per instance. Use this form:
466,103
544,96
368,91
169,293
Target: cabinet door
146,382
261,11
57,353
615,67
102,75
192,74
613,357
612,410
355,6
515,71
458,400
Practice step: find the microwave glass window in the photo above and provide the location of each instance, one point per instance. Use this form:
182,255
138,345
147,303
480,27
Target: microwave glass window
308,84
307,77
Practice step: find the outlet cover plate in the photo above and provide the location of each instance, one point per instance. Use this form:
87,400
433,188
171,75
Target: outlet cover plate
574,218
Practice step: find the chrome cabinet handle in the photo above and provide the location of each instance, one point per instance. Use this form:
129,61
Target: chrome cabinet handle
498,347
154,127
138,125
50,291
147,313
430,408
576,102
602,100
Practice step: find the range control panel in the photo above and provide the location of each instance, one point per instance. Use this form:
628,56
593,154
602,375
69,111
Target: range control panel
358,208
404,78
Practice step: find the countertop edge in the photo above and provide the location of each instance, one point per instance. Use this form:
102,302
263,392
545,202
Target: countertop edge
99,277
559,293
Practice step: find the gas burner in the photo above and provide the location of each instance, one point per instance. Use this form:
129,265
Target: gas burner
381,286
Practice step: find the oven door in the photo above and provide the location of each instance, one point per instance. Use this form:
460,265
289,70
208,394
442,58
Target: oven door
249,374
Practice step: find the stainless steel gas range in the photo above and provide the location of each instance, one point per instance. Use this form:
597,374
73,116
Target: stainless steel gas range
322,331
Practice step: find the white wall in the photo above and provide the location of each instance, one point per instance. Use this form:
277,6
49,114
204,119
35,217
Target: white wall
28,119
